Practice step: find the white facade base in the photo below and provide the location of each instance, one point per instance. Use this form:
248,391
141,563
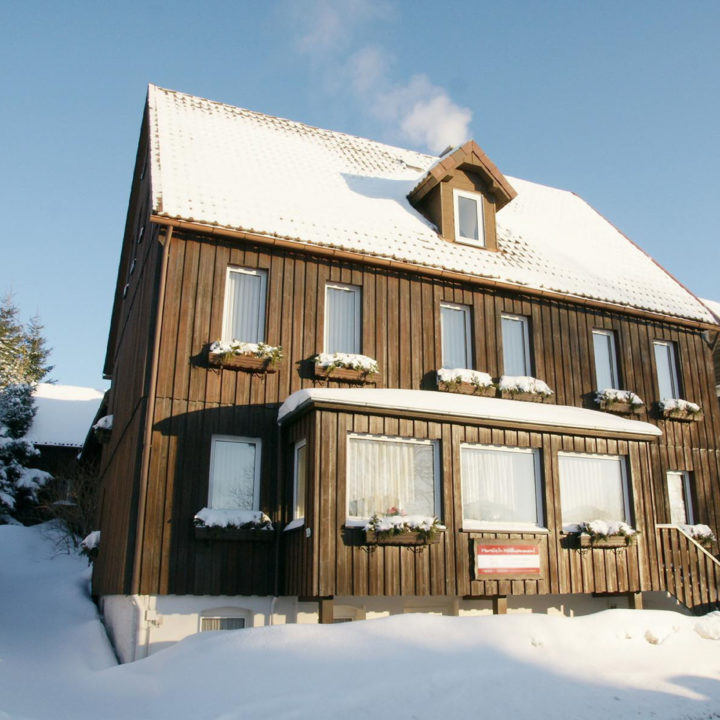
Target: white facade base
140,625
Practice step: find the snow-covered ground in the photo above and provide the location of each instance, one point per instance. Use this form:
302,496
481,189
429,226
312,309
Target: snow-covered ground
55,662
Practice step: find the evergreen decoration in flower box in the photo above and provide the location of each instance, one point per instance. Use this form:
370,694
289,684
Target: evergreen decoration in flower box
522,387
395,528
603,534
622,402
250,357
465,382
345,366
682,410
232,524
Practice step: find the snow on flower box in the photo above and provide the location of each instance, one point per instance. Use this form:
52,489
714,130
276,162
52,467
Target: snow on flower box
250,357
465,382
345,366
396,528
232,524
682,410
521,387
602,534
103,428
700,533
622,402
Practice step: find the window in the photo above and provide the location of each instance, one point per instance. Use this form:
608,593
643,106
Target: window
456,336
469,226
245,292
221,623
667,377
516,345
593,487
234,473
679,497
342,319
606,372
500,485
384,473
299,480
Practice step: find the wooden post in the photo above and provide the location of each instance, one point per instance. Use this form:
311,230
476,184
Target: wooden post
636,600
499,604
325,607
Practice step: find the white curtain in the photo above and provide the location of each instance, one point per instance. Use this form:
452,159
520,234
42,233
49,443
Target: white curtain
499,485
605,372
342,319
592,487
676,496
667,377
468,217
232,484
454,322
390,473
245,306
514,336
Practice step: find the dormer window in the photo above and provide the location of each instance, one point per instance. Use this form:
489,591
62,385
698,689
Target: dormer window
469,223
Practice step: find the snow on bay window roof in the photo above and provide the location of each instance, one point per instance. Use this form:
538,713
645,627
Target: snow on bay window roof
222,166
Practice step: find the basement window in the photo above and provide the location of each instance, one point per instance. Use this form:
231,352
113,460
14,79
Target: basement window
469,225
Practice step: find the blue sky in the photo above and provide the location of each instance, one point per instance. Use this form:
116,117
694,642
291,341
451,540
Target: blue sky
617,101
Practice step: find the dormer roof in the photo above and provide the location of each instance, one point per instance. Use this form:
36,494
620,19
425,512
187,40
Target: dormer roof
470,157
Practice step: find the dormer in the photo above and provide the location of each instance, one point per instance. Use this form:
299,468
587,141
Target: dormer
461,193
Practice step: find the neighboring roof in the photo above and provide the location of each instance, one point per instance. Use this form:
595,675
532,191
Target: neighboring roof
223,166
528,414
64,414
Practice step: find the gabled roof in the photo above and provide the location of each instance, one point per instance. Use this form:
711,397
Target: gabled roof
221,166
468,156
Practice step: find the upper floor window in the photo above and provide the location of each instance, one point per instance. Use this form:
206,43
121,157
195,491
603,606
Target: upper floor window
500,486
680,497
469,225
667,377
593,487
343,315
456,336
516,345
299,480
234,473
245,293
385,473
606,369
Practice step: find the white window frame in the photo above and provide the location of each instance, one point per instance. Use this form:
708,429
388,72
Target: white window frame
435,444
674,377
526,342
227,304
687,496
296,465
465,309
624,479
471,524
610,335
357,320
257,442
478,198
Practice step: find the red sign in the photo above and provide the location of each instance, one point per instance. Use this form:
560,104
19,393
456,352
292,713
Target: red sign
493,558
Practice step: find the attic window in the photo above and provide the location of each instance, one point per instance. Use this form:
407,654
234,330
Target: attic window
469,225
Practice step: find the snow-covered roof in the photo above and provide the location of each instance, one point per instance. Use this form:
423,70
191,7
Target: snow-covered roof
64,414
430,402
219,165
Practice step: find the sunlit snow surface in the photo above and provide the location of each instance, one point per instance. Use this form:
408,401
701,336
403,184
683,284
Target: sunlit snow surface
55,662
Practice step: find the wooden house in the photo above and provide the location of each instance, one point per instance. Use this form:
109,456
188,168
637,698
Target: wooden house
350,380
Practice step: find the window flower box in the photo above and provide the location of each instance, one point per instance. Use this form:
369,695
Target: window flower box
396,528
682,410
345,366
521,387
603,534
465,382
250,357
246,525
621,402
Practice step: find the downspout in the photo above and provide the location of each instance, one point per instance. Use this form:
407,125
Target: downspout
149,415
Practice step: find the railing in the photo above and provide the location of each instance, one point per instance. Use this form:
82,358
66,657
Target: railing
688,570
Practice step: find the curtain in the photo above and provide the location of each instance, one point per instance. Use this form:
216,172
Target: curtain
245,306
383,474
232,484
676,497
515,353
468,218
605,372
342,319
454,323
592,488
665,362
499,485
